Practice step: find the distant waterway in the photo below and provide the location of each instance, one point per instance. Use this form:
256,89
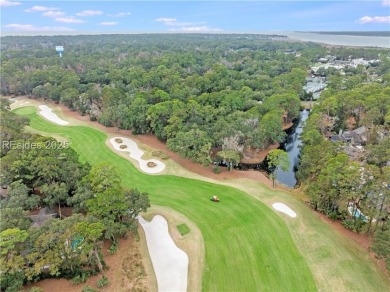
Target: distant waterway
341,40
291,146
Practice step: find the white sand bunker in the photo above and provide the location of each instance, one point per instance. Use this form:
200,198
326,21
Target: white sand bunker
148,166
284,209
170,263
47,113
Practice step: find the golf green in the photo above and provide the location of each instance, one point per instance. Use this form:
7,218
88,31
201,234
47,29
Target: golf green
248,247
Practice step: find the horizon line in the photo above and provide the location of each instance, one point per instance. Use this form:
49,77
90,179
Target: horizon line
87,32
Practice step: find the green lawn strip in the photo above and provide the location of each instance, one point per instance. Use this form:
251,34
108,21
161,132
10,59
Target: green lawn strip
183,229
248,247
337,263
28,110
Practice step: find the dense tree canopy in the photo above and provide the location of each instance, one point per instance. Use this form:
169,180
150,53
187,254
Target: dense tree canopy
168,85
345,156
46,173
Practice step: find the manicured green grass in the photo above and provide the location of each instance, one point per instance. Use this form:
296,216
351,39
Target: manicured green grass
183,229
27,110
248,247
338,263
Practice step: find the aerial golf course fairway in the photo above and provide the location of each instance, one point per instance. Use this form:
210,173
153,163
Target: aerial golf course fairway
248,247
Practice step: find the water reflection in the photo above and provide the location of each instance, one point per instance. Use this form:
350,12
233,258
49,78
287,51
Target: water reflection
291,146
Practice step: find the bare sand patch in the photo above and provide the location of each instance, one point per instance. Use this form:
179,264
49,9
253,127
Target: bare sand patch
20,101
148,166
284,209
170,263
48,114
192,243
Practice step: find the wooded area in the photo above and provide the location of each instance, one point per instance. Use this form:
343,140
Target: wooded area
197,92
345,159
41,176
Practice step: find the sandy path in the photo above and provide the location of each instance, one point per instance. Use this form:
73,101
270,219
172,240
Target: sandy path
284,209
136,153
47,113
169,262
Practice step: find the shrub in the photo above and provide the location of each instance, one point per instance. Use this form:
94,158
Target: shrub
93,118
342,215
80,278
103,281
35,289
333,215
353,224
381,244
113,248
88,289
123,146
12,282
118,140
216,169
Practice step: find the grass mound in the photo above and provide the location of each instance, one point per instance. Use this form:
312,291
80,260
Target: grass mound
160,154
151,164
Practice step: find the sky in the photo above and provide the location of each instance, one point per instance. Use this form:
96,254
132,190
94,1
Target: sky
73,16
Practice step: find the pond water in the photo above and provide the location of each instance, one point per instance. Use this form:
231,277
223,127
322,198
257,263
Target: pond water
291,146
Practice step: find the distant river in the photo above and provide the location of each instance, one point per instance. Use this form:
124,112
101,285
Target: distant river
342,40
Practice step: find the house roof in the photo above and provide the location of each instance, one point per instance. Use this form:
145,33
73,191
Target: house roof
360,130
335,138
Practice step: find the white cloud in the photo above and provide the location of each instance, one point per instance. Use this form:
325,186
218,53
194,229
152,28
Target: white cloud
174,22
165,19
386,2
186,26
197,29
89,13
41,9
53,13
5,3
69,19
120,14
375,19
108,23
30,27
